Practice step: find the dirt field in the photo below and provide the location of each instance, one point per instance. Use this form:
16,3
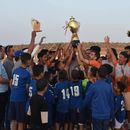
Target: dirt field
118,46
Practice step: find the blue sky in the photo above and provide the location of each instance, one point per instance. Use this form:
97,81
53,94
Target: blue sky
97,18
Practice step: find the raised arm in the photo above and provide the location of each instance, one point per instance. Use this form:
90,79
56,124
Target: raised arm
32,42
108,45
37,48
80,63
81,55
68,62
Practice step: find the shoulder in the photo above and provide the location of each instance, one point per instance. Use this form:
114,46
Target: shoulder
95,63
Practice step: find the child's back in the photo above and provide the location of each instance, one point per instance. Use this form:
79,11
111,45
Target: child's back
37,104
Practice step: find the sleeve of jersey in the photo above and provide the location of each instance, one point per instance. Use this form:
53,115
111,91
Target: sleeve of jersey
28,78
56,91
94,63
88,98
112,105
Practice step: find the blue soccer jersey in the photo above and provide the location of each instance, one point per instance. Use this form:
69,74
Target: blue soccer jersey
32,89
61,92
21,77
49,96
120,112
76,94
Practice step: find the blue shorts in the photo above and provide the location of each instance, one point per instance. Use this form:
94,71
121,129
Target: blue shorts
74,116
100,124
62,117
82,116
17,111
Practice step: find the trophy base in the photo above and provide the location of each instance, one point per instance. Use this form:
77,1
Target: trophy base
75,43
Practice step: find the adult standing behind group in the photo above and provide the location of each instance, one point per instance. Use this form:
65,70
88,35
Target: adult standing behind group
3,88
8,65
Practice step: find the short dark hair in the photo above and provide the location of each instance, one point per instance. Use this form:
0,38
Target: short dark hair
94,71
102,71
42,53
7,48
125,54
95,48
37,70
127,47
75,74
63,75
97,54
81,75
41,84
121,86
25,57
109,68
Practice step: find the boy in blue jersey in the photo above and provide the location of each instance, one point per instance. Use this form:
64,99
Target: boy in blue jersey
37,74
100,99
20,82
62,96
120,112
32,89
109,77
49,96
76,97
85,113
39,107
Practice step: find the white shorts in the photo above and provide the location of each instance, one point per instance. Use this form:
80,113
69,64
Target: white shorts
118,125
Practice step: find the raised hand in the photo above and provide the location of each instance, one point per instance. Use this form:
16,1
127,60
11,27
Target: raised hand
106,39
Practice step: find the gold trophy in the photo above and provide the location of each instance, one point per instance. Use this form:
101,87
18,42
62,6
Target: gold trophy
36,25
73,26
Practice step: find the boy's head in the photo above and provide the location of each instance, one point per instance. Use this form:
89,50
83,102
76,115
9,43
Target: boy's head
62,75
75,74
94,55
102,72
127,48
95,48
92,72
81,75
18,54
26,59
42,56
42,85
109,68
37,70
120,87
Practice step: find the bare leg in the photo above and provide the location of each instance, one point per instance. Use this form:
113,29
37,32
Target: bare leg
70,126
81,127
20,126
57,126
66,126
13,125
